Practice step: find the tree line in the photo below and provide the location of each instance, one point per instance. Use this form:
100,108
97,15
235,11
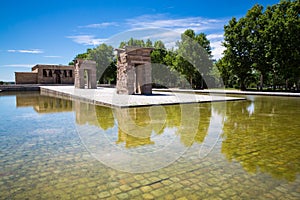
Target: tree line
262,49
183,67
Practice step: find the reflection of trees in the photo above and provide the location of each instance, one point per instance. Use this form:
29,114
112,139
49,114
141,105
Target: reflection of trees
266,139
194,122
132,141
205,115
137,125
105,117
190,120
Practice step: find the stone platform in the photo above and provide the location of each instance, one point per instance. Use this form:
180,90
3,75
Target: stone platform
109,97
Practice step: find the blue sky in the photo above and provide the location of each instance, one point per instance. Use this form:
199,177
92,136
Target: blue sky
54,31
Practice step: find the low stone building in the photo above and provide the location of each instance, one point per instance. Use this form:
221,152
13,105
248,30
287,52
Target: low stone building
46,74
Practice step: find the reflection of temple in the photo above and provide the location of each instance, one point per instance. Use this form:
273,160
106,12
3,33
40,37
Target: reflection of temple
85,113
135,126
43,104
132,141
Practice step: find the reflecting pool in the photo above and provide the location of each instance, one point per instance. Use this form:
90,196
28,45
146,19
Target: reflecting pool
52,148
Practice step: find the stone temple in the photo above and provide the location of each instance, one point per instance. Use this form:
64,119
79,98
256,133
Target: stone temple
134,71
46,74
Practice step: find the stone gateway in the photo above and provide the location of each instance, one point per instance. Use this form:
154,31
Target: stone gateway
134,71
85,68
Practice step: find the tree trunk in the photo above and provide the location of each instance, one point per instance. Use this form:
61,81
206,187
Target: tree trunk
286,84
274,84
243,87
261,82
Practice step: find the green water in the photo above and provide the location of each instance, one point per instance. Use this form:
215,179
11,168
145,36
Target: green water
52,148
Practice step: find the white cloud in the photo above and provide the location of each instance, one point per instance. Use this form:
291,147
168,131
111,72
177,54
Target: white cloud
217,49
215,36
33,51
87,39
100,25
160,21
175,27
159,27
216,40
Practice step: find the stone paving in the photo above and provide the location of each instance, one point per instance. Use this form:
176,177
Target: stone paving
108,96
47,160
71,173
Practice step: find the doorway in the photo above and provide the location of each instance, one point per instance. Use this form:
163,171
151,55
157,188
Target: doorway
57,76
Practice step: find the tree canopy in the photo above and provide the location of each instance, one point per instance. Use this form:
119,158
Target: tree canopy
264,46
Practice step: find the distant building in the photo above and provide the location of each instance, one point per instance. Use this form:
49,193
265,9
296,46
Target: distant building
46,74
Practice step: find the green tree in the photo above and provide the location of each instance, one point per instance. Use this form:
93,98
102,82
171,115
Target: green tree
237,52
103,55
148,43
122,44
265,44
193,58
83,56
283,44
256,23
225,72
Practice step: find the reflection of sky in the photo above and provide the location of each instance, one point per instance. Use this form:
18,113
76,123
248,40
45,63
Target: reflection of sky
250,108
165,138
214,132
111,134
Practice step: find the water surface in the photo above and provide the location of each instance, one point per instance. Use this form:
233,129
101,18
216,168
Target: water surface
55,148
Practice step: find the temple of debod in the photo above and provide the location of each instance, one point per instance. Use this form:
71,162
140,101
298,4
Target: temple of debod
133,71
133,88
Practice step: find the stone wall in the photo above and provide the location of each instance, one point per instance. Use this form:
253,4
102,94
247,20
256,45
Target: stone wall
25,78
46,74
55,74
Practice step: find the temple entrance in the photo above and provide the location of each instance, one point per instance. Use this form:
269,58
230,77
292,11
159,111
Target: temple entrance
87,78
57,76
134,71
139,82
141,86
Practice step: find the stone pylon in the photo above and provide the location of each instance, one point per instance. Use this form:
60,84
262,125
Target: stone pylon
134,70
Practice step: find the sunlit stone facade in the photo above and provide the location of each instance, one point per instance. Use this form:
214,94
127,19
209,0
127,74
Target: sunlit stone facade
46,74
134,71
